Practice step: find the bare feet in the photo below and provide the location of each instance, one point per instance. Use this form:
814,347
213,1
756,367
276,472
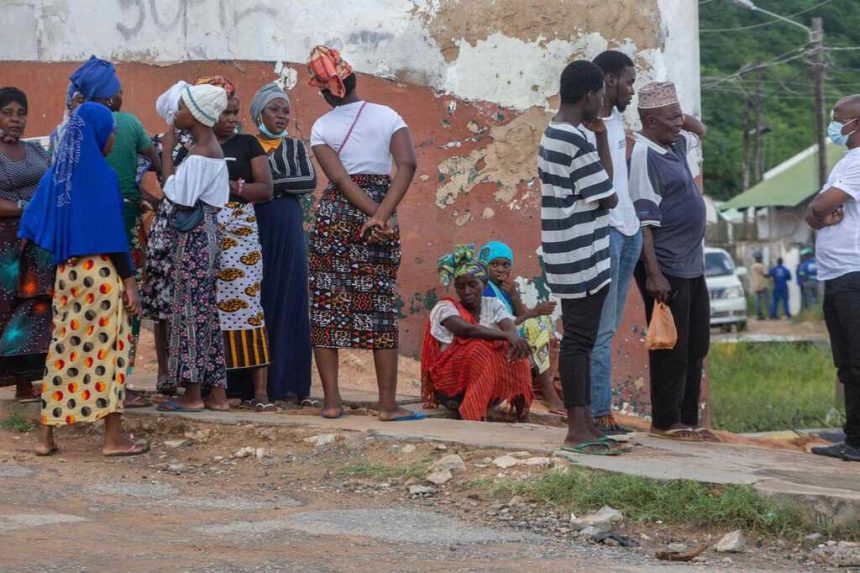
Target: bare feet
679,432
548,395
46,445
332,412
217,405
398,412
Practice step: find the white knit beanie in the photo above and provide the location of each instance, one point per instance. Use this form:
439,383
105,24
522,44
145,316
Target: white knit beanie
205,102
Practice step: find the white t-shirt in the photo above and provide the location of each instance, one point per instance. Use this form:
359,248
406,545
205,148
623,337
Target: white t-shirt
368,149
623,216
837,248
493,311
199,178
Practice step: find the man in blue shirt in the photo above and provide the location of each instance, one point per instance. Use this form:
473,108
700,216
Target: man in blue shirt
781,277
807,279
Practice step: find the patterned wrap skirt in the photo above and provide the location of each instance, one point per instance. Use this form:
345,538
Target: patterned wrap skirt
239,282
353,285
196,346
87,362
156,295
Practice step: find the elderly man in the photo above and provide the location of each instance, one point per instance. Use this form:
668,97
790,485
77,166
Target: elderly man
672,213
835,213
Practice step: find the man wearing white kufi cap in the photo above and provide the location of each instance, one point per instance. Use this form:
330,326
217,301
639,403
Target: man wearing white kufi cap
671,210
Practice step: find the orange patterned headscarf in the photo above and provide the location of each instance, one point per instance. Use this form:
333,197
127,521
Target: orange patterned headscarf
328,70
219,81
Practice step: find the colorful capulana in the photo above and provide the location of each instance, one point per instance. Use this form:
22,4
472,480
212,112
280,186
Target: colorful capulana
328,70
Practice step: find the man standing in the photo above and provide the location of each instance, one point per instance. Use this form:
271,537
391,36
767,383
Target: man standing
807,279
625,236
835,212
576,196
781,277
672,213
758,282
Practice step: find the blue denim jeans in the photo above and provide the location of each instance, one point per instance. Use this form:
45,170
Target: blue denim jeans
624,253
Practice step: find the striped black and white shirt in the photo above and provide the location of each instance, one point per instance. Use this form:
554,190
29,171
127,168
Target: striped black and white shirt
574,227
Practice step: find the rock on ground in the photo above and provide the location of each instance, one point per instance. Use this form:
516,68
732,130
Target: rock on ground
321,440
452,462
603,519
731,542
506,462
540,462
440,477
843,554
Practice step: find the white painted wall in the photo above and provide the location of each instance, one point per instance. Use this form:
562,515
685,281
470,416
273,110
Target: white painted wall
382,37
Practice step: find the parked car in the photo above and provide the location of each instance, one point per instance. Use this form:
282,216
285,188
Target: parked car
728,299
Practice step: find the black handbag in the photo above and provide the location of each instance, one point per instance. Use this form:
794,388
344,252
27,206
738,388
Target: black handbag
186,218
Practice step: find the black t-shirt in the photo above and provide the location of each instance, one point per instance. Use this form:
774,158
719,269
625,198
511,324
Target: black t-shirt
238,153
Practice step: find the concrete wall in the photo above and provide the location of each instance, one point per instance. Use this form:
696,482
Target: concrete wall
476,80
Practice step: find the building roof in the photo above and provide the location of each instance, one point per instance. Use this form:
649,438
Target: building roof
788,184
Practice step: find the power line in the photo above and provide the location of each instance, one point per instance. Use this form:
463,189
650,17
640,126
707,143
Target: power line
749,68
762,24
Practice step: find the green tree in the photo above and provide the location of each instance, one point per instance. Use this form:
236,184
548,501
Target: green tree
733,37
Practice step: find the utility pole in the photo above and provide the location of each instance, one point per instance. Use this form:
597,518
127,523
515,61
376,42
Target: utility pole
746,140
816,40
757,163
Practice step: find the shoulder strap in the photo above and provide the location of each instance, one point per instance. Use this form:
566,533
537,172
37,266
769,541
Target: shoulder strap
348,133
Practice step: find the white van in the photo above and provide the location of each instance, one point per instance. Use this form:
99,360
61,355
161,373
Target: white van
728,300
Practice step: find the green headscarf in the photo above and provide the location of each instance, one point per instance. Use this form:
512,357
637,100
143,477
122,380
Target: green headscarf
459,262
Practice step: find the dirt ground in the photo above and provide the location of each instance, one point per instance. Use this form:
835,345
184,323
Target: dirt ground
287,505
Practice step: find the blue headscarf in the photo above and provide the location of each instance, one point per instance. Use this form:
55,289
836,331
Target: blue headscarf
496,250
95,79
77,209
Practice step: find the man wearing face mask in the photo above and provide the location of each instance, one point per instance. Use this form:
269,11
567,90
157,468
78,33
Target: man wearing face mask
671,210
835,214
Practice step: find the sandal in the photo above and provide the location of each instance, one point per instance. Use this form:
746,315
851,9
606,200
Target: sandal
136,400
707,435
265,407
133,450
593,447
310,403
173,406
677,434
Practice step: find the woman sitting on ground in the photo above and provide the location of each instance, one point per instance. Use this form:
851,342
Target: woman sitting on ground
535,324
77,216
473,356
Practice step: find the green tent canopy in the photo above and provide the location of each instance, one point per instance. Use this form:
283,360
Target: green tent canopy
793,182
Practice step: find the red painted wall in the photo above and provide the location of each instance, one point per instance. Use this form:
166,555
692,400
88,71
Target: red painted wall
427,230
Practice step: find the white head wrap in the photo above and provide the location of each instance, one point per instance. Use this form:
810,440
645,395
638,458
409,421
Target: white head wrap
168,102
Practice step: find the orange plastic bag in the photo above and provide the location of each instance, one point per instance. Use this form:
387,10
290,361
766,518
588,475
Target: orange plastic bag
662,334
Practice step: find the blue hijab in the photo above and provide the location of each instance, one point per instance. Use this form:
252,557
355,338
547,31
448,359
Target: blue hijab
489,253
96,79
77,209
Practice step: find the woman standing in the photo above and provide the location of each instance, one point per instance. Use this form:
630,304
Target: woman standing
76,215
285,260
355,244
239,281
26,275
198,189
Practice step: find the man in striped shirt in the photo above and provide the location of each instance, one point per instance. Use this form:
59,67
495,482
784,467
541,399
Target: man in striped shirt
576,195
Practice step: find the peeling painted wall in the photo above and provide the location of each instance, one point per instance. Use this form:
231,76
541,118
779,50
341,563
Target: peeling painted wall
476,80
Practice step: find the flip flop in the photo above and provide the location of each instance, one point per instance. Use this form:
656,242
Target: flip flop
139,401
677,435
707,435
413,417
134,450
172,406
54,449
594,448
309,403
616,444
265,407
